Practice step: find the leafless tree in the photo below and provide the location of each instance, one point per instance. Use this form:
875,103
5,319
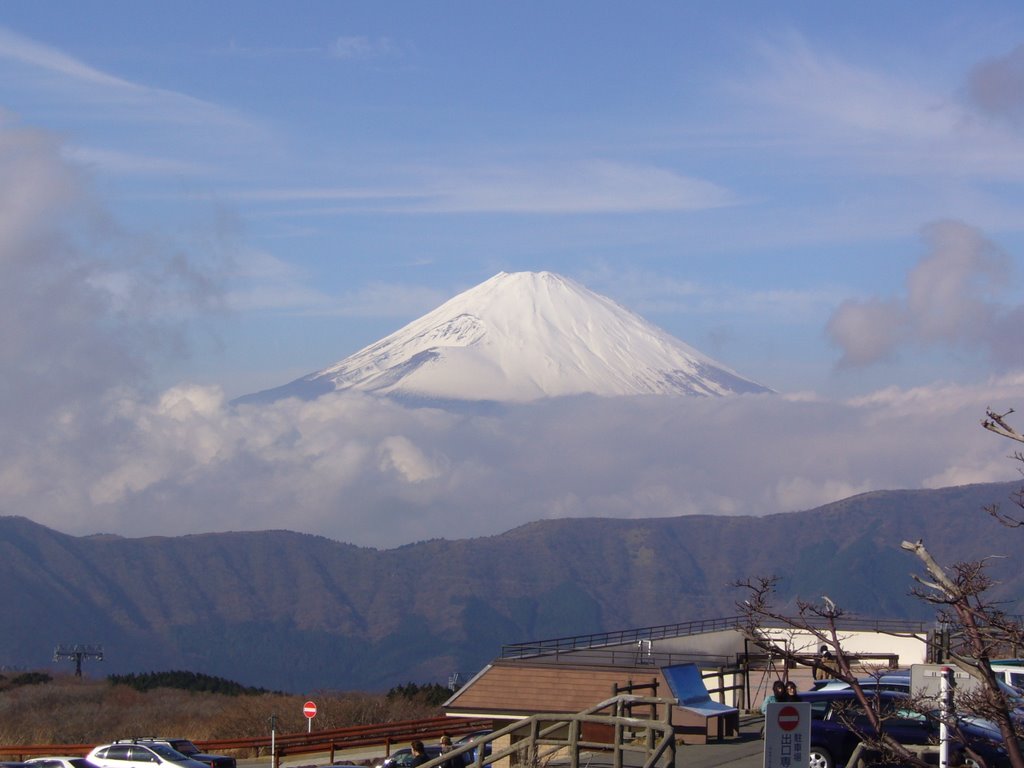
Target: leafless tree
984,629
997,423
819,621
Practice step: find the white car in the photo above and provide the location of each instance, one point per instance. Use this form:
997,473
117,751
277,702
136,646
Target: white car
59,762
130,754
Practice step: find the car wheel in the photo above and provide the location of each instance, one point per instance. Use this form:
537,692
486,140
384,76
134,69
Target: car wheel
820,757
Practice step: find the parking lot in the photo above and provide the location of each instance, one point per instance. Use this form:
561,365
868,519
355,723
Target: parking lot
743,751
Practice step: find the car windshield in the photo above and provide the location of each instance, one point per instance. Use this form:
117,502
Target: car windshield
167,753
185,746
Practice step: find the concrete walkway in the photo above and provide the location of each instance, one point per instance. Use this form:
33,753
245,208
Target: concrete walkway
744,751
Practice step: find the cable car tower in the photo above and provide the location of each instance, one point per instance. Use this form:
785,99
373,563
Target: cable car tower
77,653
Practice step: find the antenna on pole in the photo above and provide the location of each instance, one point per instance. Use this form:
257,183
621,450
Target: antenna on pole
77,653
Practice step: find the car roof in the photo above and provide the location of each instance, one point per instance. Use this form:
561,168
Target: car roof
846,693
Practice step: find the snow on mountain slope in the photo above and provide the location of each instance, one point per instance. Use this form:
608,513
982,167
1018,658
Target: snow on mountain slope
520,337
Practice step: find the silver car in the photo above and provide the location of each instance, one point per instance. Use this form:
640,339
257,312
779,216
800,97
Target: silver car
127,754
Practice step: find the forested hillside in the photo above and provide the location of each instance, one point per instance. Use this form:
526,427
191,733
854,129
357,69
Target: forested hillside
287,611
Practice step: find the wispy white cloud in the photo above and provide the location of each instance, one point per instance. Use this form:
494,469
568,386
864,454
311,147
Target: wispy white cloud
145,131
115,162
26,51
586,187
381,299
356,194
235,48
650,292
575,188
263,282
362,47
345,47
871,120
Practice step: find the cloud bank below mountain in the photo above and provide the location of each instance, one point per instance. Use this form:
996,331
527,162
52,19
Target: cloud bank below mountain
369,471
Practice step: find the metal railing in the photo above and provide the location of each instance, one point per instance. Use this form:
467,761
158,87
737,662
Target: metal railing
623,637
533,648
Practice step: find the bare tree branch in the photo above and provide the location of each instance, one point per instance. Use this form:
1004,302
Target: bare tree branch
996,422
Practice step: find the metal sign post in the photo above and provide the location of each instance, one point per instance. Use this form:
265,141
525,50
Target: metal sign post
309,710
935,682
273,750
946,697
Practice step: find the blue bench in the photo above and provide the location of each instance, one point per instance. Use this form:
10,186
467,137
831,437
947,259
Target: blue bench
700,717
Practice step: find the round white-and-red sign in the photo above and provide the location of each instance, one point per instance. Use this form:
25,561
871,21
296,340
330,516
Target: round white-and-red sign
789,718
309,709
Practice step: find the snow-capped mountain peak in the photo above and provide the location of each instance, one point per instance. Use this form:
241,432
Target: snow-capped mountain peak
523,336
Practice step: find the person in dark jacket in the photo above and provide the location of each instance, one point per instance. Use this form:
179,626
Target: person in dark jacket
419,754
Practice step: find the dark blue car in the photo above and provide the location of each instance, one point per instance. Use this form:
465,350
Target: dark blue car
838,720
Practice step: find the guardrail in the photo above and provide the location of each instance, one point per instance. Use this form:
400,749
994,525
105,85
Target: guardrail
330,741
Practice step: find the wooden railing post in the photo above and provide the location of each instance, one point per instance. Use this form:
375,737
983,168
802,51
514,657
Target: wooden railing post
574,745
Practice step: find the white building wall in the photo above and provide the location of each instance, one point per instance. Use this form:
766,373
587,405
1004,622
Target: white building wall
909,650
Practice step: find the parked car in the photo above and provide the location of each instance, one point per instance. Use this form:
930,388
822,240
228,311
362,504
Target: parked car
837,722
59,762
470,756
402,758
900,681
132,754
891,681
188,749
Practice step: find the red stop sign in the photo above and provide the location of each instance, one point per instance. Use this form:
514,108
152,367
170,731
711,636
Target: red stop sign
309,709
789,718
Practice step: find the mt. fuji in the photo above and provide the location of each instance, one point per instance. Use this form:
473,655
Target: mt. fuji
518,337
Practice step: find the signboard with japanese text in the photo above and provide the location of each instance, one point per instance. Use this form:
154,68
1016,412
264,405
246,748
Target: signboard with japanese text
787,734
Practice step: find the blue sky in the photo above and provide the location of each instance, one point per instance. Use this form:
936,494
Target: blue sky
826,198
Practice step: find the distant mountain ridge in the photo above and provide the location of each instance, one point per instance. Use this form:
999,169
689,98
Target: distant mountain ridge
296,612
519,337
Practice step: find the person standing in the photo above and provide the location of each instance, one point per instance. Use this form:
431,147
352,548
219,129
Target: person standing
823,664
778,694
456,761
